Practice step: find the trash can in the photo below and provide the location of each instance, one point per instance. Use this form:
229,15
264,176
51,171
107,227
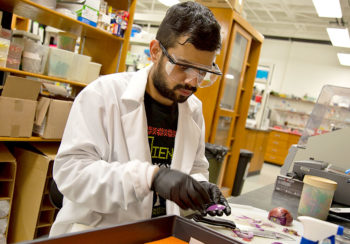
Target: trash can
215,155
242,170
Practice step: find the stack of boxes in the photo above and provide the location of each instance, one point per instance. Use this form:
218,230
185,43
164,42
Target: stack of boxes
18,104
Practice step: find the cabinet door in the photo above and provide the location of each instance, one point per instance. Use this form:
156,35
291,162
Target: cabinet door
230,91
234,73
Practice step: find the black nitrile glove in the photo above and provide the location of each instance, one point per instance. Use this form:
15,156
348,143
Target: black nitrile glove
181,189
216,197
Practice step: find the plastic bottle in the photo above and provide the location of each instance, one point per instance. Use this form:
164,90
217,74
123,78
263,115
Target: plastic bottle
316,230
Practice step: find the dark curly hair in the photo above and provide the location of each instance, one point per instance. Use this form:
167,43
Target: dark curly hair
193,20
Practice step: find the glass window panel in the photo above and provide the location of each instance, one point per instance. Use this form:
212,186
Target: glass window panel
234,72
222,130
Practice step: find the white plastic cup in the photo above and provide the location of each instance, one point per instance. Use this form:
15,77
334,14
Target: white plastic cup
316,197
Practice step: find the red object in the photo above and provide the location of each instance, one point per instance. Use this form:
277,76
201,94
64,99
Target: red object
258,98
280,216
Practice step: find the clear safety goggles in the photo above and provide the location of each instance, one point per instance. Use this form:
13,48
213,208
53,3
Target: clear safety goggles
185,71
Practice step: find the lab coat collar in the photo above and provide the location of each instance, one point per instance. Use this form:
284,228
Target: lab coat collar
137,86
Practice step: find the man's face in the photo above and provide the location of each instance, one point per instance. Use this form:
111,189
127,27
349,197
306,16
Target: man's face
178,88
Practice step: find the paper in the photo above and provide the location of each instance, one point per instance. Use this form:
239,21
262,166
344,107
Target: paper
237,211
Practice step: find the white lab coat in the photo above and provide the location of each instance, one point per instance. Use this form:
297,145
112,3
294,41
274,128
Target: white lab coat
103,166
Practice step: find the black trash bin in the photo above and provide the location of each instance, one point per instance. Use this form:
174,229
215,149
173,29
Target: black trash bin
215,155
241,173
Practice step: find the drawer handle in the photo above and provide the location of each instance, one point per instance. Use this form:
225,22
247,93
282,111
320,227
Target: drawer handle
275,142
272,157
274,150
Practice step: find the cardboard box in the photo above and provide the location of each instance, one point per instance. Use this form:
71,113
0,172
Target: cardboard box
236,5
17,117
88,15
17,106
51,117
32,211
18,87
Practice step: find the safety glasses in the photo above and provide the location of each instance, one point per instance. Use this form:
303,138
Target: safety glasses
180,70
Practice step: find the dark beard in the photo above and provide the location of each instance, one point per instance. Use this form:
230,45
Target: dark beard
159,83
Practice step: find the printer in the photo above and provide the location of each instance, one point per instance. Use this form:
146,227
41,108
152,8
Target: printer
324,147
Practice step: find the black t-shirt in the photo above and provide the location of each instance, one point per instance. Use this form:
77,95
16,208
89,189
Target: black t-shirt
162,125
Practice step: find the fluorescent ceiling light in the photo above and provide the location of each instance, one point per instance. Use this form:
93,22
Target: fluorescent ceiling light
328,8
339,37
228,76
169,3
344,59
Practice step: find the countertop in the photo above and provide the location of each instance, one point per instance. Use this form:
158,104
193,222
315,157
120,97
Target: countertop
267,198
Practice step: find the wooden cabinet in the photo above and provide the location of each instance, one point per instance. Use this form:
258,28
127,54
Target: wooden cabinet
278,145
104,48
255,141
226,103
7,181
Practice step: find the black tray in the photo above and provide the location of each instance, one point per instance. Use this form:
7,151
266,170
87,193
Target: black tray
144,231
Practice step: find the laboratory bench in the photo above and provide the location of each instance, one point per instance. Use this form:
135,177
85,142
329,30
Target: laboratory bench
267,198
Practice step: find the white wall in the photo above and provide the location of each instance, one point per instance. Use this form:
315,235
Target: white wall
302,68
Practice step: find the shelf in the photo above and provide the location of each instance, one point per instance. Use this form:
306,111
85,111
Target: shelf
33,138
21,72
260,81
139,42
292,99
2,179
43,224
5,198
47,208
55,19
289,111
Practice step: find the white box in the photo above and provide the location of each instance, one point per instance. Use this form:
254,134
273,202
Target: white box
93,72
88,13
78,70
95,4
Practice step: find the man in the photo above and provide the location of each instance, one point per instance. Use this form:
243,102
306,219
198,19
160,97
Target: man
133,147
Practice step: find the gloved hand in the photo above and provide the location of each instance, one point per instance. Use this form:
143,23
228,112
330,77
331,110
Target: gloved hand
181,189
216,197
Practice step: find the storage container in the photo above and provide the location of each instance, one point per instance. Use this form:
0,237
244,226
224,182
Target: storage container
93,72
32,56
316,197
79,68
14,56
4,49
66,41
59,62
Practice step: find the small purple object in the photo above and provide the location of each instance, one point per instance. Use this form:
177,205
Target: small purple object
216,207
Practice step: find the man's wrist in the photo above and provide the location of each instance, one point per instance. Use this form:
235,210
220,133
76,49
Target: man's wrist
152,175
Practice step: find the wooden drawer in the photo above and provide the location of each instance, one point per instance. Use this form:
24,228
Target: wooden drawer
273,158
278,151
278,135
276,143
